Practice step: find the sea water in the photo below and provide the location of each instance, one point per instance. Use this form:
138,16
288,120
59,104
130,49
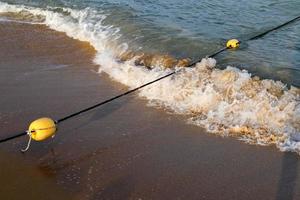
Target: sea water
251,93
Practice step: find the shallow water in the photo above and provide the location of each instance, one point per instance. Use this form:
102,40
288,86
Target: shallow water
197,28
227,102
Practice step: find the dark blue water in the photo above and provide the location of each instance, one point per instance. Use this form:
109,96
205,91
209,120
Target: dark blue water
196,28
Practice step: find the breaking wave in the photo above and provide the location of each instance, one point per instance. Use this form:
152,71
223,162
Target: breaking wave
227,102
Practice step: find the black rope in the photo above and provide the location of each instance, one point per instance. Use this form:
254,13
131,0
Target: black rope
13,137
113,98
151,82
133,90
273,29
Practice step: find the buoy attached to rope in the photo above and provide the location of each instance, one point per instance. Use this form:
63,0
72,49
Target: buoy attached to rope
44,128
232,44
40,130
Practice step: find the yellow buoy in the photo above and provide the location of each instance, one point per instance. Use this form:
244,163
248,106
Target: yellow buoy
42,129
233,43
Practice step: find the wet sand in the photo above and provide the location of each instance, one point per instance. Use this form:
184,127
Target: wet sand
124,150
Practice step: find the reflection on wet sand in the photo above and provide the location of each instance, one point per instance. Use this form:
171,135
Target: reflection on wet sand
288,177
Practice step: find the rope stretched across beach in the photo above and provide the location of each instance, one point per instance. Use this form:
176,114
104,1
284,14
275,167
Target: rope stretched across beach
43,128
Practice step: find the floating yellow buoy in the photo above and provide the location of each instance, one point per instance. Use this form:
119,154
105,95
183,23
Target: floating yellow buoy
233,43
42,129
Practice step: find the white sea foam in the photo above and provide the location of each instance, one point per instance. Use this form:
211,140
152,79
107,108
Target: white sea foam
225,102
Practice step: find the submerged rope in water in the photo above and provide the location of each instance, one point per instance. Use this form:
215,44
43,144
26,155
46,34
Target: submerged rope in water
151,82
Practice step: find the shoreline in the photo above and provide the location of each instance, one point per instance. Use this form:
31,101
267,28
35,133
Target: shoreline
124,150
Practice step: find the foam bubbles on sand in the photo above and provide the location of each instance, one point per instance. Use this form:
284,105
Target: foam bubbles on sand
227,102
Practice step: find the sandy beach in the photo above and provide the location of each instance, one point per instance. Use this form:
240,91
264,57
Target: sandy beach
124,150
